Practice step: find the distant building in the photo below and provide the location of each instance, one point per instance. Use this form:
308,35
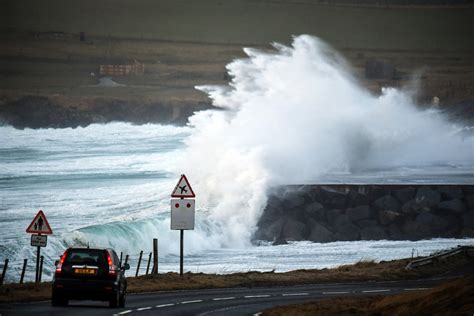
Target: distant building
127,68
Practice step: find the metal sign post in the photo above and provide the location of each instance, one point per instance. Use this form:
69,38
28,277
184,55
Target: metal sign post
182,213
39,226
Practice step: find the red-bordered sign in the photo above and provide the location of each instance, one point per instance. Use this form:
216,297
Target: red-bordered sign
183,189
39,225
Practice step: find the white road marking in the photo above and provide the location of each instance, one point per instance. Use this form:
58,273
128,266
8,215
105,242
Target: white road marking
375,291
190,302
257,314
295,294
331,293
223,298
256,296
418,289
125,312
144,308
164,305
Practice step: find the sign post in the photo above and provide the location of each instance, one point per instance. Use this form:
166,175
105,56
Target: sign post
182,213
39,226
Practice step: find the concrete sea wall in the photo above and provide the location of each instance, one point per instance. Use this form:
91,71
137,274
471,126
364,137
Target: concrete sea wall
325,213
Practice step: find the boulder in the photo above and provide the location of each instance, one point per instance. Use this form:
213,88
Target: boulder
395,232
468,219
348,232
270,232
467,232
404,195
293,230
332,216
316,211
359,213
450,192
357,198
452,206
426,225
387,202
427,198
373,233
320,233
411,207
470,202
387,217
367,223
293,200
333,198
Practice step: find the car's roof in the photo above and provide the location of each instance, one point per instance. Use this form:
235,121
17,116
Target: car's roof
87,248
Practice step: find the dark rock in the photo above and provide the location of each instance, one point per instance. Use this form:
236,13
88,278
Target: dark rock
411,207
270,232
456,206
316,211
342,220
404,194
293,200
467,232
356,198
347,232
367,223
427,198
294,230
470,202
332,216
280,241
387,202
333,198
426,225
373,233
450,192
359,213
395,232
386,217
468,219
320,233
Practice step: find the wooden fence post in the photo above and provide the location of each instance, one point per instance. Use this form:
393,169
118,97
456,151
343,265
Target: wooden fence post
139,262
25,261
148,264
155,256
5,266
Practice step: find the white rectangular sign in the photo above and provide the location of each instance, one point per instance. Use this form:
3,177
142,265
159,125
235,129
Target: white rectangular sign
182,214
39,240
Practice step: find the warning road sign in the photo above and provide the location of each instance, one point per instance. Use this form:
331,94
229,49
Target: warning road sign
183,189
39,225
182,214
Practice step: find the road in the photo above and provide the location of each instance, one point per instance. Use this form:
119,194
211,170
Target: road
229,301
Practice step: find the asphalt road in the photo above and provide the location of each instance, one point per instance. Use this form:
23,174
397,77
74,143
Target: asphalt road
230,301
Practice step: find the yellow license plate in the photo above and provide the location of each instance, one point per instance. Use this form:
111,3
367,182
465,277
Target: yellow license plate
85,271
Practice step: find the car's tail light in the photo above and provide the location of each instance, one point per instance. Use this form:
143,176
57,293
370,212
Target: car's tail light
112,271
60,263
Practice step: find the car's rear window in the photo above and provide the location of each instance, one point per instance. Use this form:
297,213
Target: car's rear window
85,257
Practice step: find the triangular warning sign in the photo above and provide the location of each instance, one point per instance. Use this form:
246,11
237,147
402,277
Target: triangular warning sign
39,225
183,189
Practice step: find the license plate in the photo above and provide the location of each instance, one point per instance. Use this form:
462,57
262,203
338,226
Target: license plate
85,271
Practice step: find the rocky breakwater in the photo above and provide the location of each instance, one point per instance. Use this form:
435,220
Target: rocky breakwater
325,213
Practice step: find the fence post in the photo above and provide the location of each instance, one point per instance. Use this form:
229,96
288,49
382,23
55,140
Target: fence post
126,261
139,262
148,264
41,269
120,261
25,261
155,256
5,266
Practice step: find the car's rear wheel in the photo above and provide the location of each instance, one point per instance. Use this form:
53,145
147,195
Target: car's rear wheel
58,300
114,301
122,299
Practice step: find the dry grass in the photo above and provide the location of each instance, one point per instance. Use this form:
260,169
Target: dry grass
361,271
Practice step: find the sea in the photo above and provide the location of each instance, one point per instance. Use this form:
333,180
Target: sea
294,115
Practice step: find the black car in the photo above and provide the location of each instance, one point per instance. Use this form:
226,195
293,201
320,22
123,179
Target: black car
89,274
